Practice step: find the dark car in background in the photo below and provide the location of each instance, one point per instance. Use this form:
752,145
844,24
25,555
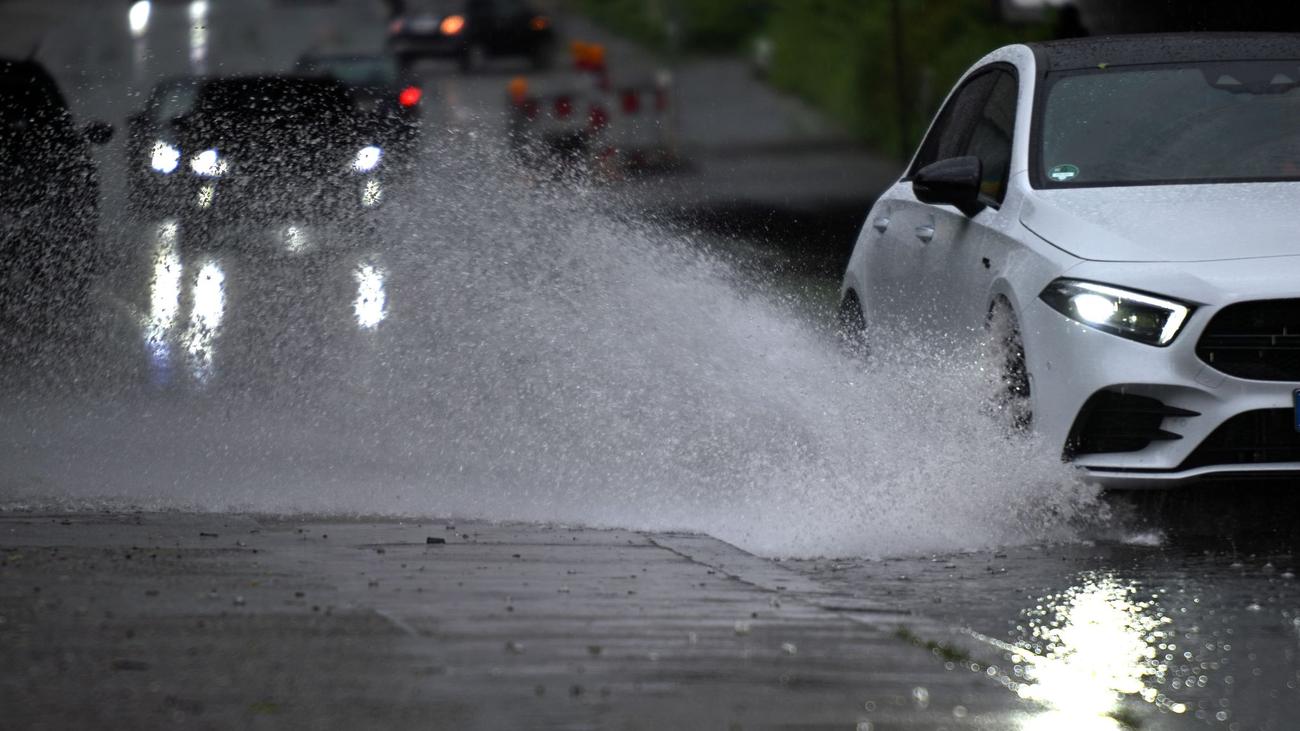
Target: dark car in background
152,144
259,149
383,96
49,194
470,31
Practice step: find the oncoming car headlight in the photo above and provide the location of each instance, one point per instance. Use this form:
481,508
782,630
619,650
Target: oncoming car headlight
1133,315
367,159
208,164
164,158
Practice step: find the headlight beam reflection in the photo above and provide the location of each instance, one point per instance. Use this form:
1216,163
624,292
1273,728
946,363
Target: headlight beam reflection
371,305
371,193
208,308
1089,648
164,296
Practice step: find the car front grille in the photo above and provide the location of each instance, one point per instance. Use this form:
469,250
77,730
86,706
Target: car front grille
1255,340
1265,436
1113,421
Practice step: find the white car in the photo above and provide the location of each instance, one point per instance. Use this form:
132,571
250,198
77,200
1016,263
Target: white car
1127,211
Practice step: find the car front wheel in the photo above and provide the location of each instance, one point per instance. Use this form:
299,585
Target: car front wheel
1011,401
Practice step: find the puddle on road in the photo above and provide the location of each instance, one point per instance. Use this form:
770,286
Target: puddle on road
1108,633
531,357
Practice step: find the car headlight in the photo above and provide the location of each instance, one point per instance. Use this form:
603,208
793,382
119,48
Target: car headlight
367,159
1133,315
164,158
208,164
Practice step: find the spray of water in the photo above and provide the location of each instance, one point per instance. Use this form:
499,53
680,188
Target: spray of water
519,352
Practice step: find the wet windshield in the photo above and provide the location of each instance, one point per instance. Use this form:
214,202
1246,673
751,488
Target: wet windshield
1220,122
278,111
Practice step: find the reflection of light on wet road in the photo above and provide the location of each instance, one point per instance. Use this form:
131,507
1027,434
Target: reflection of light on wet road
199,36
164,293
209,305
371,193
1090,647
371,304
206,193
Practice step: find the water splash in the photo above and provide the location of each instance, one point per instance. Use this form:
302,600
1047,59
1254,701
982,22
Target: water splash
543,357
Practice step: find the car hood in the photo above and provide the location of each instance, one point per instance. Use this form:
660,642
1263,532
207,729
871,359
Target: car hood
1168,222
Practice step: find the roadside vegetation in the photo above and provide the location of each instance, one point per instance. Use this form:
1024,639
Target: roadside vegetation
840,55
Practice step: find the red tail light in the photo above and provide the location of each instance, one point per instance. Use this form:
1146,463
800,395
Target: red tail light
563,107
631,101
452,24
531,108
598,119
410,96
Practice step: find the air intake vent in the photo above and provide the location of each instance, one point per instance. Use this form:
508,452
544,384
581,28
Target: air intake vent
1119,422
1255,340
1255,437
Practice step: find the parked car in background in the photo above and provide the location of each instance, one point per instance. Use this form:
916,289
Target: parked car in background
49,194
1122,211
470,31
380,91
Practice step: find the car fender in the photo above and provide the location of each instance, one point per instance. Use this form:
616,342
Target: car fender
854,280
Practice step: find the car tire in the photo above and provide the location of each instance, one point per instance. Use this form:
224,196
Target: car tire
1011,401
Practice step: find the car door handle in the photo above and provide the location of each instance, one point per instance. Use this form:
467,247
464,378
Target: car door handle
925,233
880,224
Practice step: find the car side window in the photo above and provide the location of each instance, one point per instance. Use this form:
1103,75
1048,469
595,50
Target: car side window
951,131
991,134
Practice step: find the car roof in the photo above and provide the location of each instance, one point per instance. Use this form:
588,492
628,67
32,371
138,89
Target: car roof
1139,49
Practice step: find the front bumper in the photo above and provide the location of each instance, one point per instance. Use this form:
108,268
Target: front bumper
1071,362
231,199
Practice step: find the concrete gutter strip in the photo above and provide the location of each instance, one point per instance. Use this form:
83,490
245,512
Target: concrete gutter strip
153,620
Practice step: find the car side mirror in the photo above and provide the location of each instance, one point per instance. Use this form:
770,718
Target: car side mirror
954,182
98,132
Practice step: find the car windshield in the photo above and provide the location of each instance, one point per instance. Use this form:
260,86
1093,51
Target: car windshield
275,102
173,99
1194,123
355,70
